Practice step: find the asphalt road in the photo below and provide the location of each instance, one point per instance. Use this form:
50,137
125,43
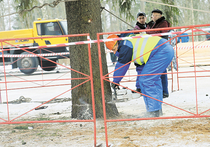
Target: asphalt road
39,86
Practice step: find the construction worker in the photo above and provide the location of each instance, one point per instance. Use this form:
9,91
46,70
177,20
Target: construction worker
155,56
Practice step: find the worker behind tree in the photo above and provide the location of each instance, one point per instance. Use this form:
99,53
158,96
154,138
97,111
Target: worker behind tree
152,62
184,37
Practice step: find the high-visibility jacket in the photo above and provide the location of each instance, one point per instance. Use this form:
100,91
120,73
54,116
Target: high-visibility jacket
131,49
142,48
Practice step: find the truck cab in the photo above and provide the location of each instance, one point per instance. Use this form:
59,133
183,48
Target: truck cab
54,27
41,28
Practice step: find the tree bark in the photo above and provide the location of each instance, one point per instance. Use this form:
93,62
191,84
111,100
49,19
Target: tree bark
78,14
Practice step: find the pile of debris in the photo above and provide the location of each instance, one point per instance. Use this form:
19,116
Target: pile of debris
22,99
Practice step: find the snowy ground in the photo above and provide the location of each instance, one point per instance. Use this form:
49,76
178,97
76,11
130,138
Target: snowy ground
121,134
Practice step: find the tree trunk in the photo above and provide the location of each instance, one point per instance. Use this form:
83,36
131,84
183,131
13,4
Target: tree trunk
78,14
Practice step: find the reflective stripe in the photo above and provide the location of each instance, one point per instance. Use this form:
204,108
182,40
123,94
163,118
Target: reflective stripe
136,49
124,42
142,50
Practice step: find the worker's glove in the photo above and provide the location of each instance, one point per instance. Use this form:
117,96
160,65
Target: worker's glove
115,86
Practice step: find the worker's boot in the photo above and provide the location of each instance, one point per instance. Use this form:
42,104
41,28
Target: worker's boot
138,90
160,112
157,113
165,95
153,113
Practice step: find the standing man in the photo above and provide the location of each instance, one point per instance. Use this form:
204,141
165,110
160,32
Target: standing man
159,22
156,56
140,24
141,21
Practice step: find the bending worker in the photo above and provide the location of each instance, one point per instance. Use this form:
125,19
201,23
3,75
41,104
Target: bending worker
155,56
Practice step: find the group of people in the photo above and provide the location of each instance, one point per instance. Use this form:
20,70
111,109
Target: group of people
151,56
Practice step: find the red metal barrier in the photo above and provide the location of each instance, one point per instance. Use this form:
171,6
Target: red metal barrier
105,77
46,83
43,83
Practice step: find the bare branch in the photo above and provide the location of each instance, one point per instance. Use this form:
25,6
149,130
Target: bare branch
53,4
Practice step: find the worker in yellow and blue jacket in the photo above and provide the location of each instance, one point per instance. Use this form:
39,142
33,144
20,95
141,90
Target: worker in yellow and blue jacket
155,55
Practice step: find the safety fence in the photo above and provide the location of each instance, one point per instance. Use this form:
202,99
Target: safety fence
40,88
14,85
197,112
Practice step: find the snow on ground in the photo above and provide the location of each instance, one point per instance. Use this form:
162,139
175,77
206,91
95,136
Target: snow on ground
186,97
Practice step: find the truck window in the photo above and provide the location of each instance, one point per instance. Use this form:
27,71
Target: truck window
38,26
51,28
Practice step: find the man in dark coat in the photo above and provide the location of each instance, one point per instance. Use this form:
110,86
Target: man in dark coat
158,21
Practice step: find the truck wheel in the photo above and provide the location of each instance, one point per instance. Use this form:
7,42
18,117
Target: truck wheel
27,65
48,66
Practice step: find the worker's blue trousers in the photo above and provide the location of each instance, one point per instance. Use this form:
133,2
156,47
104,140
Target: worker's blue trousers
151,85
164,79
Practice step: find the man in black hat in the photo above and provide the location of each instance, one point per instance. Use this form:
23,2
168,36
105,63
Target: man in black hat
158,21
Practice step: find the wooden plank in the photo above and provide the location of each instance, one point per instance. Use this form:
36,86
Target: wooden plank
186,58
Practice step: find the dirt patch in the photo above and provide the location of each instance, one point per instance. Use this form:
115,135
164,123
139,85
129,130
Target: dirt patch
184,132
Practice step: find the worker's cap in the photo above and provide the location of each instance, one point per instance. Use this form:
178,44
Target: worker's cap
141,14
157,11
111,44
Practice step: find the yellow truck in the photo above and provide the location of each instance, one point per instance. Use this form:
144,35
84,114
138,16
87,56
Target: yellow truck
41,28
